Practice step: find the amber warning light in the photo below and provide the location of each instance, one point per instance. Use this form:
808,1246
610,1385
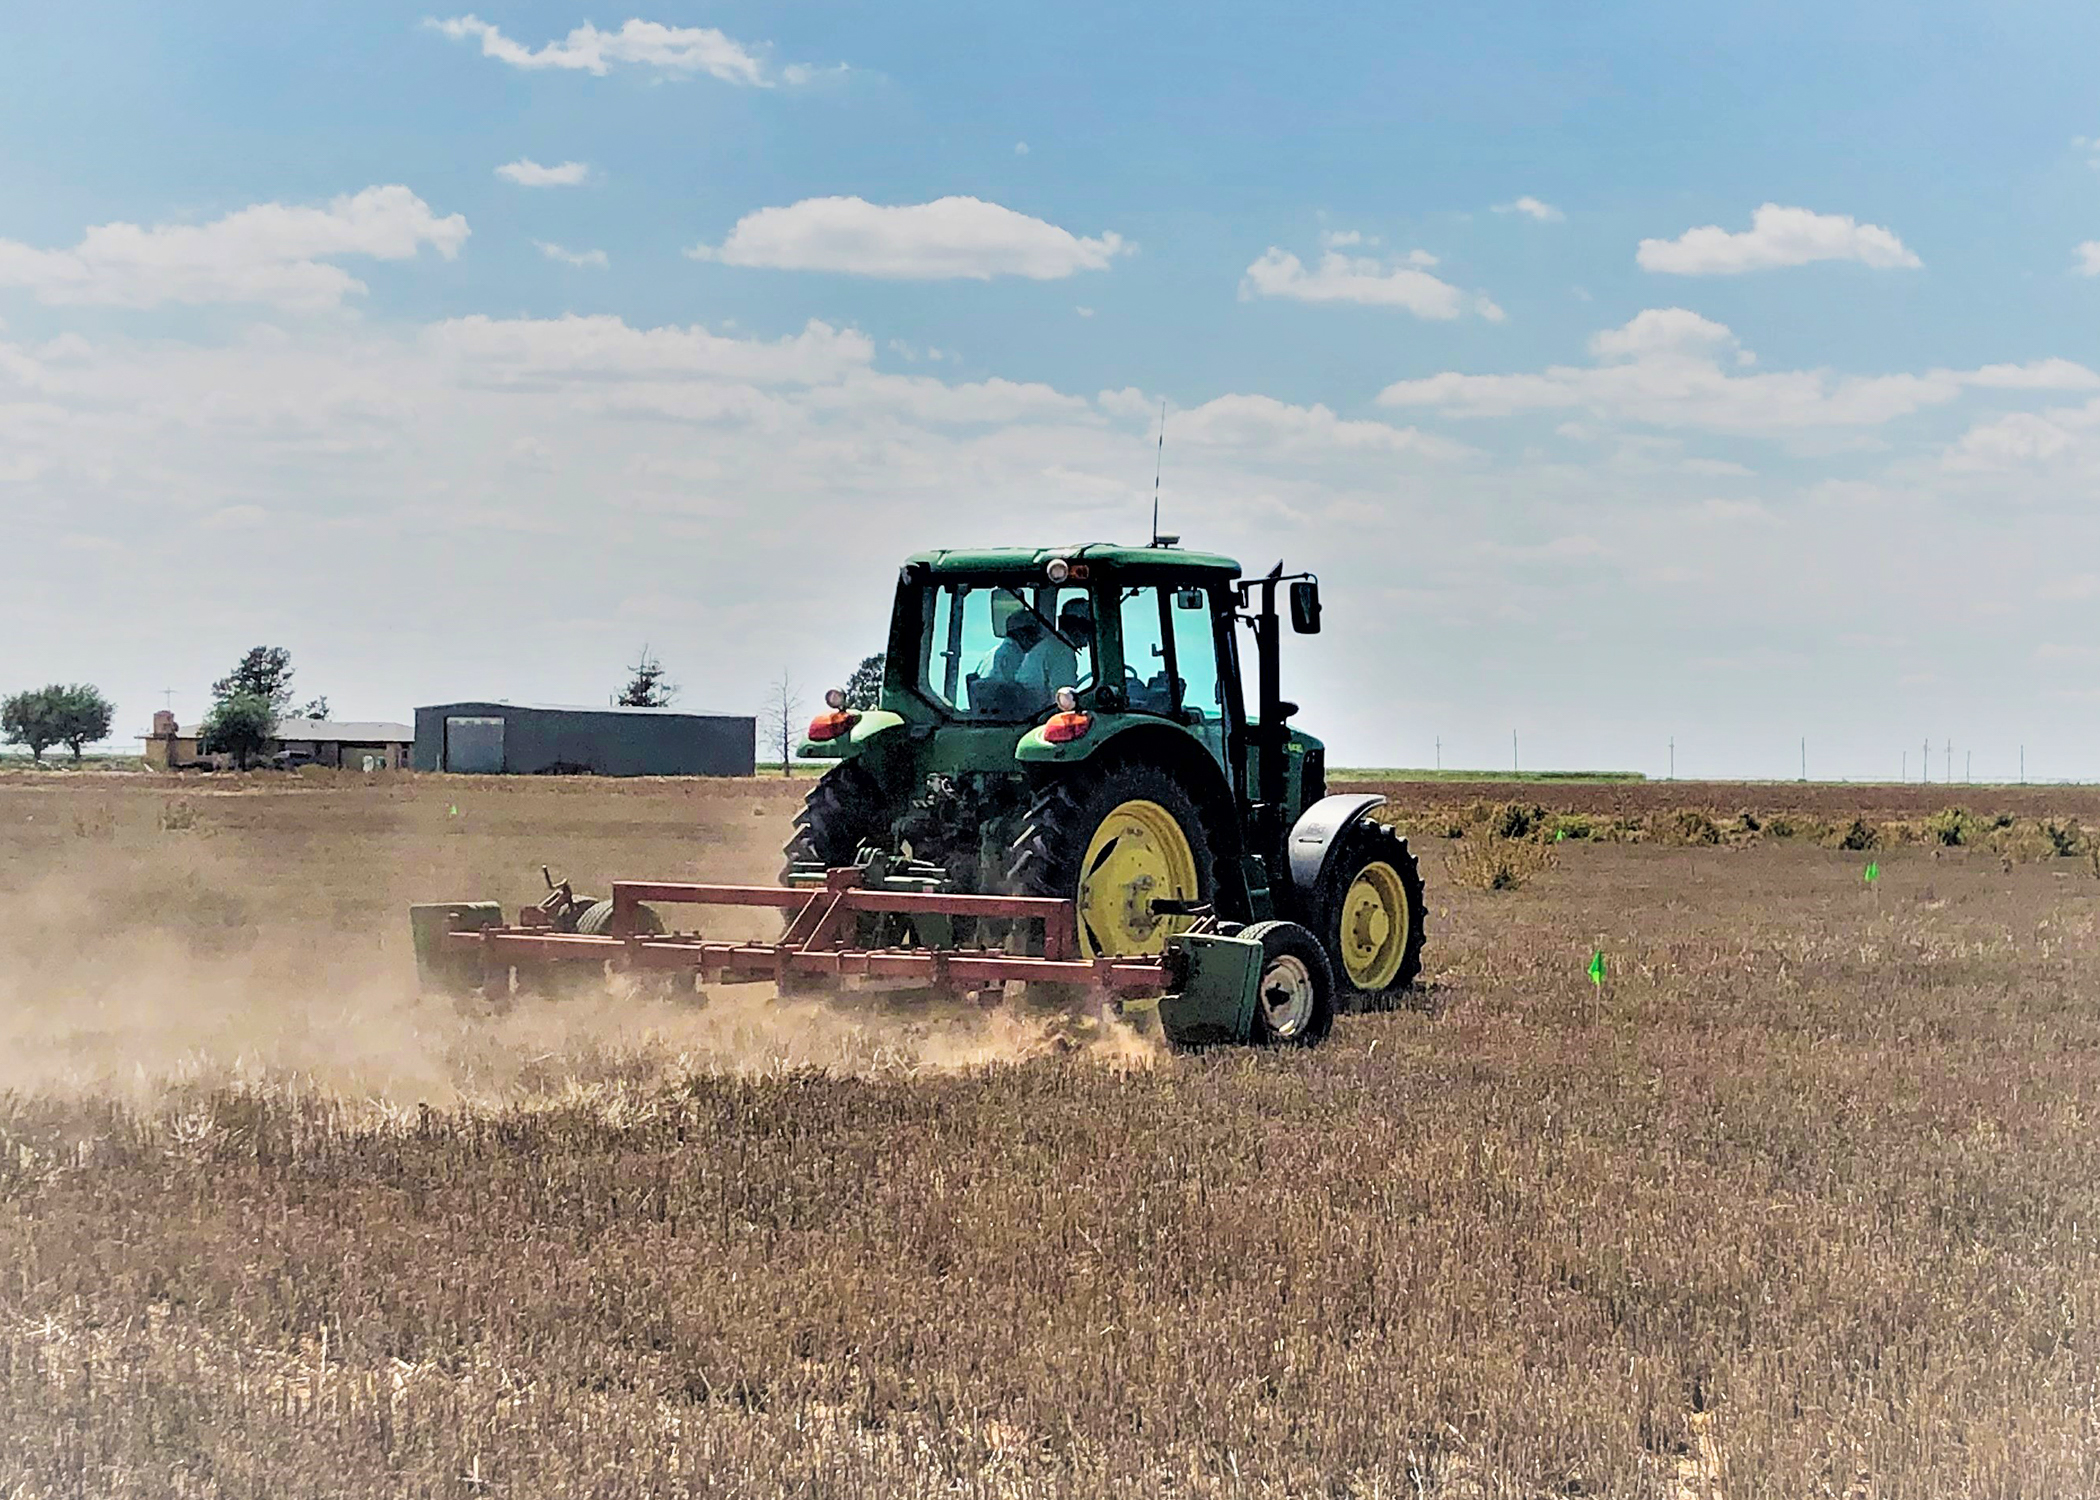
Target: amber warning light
840,721
1068,723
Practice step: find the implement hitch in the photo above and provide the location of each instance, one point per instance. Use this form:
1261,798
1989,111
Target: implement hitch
1203,988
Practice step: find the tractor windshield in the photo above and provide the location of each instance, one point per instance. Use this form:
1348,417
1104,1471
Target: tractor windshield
1001,652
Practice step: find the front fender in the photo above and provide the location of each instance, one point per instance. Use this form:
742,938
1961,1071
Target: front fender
1315,837
873,722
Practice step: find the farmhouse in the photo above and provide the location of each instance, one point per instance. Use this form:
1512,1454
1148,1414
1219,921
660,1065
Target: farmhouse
367,746
540,738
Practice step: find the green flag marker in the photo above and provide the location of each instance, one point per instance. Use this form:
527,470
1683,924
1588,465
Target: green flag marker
1559,834
1873,872
1597,968
454,812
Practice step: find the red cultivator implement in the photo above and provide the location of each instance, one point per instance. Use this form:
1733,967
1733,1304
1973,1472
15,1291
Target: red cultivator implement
1211,984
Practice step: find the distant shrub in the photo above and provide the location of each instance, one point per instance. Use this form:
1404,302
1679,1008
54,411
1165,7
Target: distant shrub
1859,834
1572,826
1488,862
1688,825
2066,838
1953,827
1780,826
1517,820
1746,822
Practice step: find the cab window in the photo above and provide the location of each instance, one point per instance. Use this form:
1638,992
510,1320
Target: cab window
999,652
1196,655
1146,680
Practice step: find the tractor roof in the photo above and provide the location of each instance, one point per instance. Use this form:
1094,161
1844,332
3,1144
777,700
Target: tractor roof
1032,559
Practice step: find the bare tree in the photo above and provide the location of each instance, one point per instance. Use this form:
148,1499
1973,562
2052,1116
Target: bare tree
781,718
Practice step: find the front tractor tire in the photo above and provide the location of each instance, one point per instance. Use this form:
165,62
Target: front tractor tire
1112,842
1371,916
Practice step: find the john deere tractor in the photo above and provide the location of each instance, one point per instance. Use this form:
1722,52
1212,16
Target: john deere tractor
1074,722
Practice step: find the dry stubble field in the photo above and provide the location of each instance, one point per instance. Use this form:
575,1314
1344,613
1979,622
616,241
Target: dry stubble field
1802,1203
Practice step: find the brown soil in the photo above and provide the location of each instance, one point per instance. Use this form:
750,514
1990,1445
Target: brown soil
1797,1203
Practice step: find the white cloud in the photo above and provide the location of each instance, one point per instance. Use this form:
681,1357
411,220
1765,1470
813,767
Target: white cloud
526,172
643,44
1263,421
1084,312
1020,148
2018,440
1777,237
1661,330
1665,367
543,352
947,239
1343,239
1532,208
2039,375
1363,280
2089,258
272,253
594,258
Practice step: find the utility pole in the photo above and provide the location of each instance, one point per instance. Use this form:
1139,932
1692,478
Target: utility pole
1440,752
1513,752
1925,762
1968,766
2023,765
1804,757
1906,767
1673,757
1949,747
167,696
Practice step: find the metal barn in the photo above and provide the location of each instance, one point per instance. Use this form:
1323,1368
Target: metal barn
550,739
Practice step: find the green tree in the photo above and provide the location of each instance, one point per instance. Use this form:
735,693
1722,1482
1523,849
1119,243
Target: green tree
240,725
32,718
83,715
265,673
647,688
864,687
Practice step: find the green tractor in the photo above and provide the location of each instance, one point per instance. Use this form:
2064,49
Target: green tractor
1071,722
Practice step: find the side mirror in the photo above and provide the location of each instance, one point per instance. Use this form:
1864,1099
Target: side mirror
1189,599
1305,607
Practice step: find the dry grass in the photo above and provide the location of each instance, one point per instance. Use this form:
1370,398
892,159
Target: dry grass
1798,1204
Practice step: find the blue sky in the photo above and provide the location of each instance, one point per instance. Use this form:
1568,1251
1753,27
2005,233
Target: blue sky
1724,374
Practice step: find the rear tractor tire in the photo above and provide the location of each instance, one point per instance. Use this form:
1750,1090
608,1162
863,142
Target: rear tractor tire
1294,1004
1372,915
1112,842
840,813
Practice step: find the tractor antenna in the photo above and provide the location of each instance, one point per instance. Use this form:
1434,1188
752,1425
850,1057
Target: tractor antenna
1159,463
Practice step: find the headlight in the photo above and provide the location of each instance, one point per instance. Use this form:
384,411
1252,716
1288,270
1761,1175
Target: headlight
1059,570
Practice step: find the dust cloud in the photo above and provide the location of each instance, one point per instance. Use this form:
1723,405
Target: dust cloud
144,965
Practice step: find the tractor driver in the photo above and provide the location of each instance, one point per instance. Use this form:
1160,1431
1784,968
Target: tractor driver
1025,670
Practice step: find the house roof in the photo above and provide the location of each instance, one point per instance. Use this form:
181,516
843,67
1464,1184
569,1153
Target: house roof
341,731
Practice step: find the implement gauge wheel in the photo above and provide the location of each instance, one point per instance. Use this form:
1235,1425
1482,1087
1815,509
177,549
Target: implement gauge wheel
1372,916
1112,843
1294,1005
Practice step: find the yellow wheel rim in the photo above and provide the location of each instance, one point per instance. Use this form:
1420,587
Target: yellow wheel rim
1374,926
1137,856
